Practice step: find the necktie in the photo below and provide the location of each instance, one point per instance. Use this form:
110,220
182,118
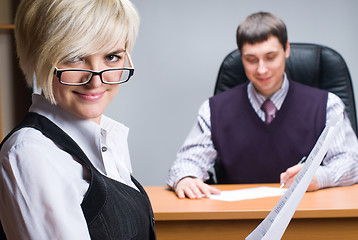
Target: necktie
270,110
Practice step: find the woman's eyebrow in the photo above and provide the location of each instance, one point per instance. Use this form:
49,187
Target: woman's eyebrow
117,51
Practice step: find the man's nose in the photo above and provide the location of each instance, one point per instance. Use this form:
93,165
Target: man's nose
262,68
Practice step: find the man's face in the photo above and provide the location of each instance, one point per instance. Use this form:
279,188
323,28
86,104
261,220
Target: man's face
264,64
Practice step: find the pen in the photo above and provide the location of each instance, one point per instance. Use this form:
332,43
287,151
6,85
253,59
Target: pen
303,159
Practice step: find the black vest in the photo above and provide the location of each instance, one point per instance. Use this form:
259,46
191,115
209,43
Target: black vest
112,209
251,151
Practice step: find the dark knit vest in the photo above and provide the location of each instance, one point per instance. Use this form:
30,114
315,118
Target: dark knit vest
251,151
112,209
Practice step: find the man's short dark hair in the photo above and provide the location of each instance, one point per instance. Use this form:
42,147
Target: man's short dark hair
258,27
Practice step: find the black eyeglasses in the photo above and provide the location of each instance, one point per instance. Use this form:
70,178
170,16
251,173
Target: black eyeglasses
77,77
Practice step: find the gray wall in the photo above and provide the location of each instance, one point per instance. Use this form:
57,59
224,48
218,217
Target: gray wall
179,49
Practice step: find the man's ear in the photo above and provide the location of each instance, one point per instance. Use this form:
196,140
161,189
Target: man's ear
288,49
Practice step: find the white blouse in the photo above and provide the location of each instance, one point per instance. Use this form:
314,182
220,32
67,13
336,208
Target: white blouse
42,186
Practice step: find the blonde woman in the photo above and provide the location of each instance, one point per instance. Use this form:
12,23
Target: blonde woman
65,171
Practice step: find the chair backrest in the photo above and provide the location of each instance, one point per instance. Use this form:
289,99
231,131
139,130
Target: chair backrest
311,64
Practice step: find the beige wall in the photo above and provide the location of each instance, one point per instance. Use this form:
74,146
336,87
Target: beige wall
5,12
7,108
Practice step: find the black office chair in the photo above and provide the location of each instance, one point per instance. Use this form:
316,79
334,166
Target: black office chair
311,64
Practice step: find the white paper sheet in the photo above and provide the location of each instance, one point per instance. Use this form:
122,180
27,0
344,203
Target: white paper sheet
275,224
249,193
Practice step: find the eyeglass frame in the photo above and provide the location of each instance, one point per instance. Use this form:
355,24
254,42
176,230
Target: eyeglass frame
58,72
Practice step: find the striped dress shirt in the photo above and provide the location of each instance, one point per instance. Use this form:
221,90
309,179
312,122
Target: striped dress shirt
198,153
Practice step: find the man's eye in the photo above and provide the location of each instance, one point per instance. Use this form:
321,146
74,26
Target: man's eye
252,60
270,57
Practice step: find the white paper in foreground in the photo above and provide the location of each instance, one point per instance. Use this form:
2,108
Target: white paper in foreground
275,224
248,193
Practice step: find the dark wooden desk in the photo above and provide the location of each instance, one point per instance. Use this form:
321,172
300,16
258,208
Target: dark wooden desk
324,214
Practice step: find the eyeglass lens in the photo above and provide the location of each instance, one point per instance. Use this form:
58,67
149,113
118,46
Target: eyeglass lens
110,76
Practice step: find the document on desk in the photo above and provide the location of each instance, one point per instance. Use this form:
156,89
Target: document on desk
248,193
275,224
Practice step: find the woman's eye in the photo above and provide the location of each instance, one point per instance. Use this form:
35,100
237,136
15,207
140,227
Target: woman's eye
113,58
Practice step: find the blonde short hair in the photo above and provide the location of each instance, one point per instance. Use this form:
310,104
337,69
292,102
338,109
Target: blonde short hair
50,31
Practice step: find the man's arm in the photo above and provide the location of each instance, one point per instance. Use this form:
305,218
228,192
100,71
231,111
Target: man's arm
194,159
340,166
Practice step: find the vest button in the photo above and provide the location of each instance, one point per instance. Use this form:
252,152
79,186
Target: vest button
104,149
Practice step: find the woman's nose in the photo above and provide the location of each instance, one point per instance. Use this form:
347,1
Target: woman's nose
95,81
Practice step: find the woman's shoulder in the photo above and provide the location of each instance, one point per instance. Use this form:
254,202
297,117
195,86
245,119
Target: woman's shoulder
29,149
25,141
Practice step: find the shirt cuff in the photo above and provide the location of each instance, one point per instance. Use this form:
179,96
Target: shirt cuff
173,181
323,177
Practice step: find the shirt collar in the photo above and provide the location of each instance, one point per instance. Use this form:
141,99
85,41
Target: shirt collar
256,99
80,130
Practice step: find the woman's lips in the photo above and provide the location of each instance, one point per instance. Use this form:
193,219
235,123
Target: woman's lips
90,96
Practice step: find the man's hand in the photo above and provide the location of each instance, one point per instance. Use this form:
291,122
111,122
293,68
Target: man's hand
194,188
288,177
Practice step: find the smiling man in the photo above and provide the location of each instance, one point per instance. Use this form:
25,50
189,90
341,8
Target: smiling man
261,129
